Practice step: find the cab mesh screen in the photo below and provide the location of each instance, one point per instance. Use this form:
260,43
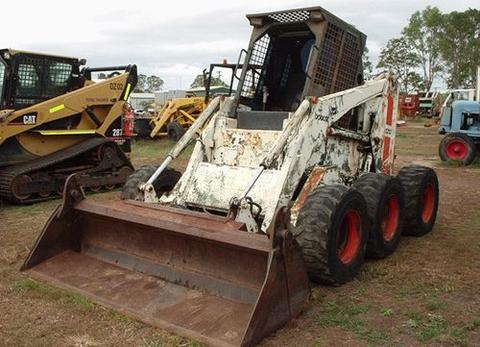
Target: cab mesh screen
340,51
253,80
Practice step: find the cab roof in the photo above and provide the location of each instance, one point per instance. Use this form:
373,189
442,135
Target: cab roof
13,52
299,15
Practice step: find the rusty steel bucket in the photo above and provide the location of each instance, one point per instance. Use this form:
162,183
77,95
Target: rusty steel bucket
194,274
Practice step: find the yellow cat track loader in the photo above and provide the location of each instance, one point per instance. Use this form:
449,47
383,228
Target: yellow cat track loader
55,121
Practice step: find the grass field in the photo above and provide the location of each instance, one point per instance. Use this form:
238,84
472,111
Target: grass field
426,293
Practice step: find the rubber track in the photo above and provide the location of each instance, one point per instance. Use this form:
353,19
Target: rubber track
8,174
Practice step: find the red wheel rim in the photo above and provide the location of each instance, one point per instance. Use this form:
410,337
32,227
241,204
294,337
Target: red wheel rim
348,238
456,149
428,203
391,217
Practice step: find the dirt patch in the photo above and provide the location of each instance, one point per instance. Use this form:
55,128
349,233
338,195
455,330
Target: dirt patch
426,293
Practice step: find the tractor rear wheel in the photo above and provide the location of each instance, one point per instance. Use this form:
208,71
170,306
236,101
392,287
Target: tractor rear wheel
457,147
164,183
385,205
332,231
175,131
421,199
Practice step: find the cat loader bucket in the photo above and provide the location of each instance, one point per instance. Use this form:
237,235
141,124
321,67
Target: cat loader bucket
194,274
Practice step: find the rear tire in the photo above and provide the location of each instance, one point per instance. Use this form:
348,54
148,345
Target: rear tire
332,231
457,147
385,198
421,199
175,131
164,183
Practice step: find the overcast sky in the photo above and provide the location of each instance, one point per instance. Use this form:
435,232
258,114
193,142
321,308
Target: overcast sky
176,40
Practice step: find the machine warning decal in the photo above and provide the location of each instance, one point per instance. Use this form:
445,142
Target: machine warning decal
57,108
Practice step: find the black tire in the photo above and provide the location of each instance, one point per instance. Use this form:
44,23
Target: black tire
385,198
457,147
175,131
164,183
421,199
142,128
321,221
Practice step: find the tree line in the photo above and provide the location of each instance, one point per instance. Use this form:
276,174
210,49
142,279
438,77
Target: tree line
434,45
150,84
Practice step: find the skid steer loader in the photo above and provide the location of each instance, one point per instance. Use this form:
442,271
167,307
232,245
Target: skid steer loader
270,198
54,121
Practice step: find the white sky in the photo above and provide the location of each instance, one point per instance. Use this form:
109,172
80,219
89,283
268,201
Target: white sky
176,40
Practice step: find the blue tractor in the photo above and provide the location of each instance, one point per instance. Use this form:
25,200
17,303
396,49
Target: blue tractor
461,123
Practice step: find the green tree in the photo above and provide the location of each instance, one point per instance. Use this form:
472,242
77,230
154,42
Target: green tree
460,48
367,65
141,84
198,82
148,84
423,35
154,83
397,57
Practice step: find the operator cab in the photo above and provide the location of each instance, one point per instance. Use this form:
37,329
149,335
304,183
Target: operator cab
291,55
28,78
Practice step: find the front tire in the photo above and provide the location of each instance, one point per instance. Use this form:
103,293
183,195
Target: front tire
175,131
332,231
421,199
164,183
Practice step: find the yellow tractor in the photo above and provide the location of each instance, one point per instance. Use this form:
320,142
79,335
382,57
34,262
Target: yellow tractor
55,121
177,115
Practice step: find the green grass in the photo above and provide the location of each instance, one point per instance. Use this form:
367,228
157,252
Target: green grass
434,304
457,164
403,135
144,148
31,287
29,210
458,335
435,326
350,317
412,151
429,327
372,270
424,290
386,312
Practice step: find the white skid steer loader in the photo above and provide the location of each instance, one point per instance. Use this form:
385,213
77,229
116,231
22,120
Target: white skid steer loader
270,198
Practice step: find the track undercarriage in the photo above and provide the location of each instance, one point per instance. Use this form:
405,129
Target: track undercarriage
100,163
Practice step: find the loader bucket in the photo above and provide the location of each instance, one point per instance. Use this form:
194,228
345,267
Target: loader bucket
194,274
